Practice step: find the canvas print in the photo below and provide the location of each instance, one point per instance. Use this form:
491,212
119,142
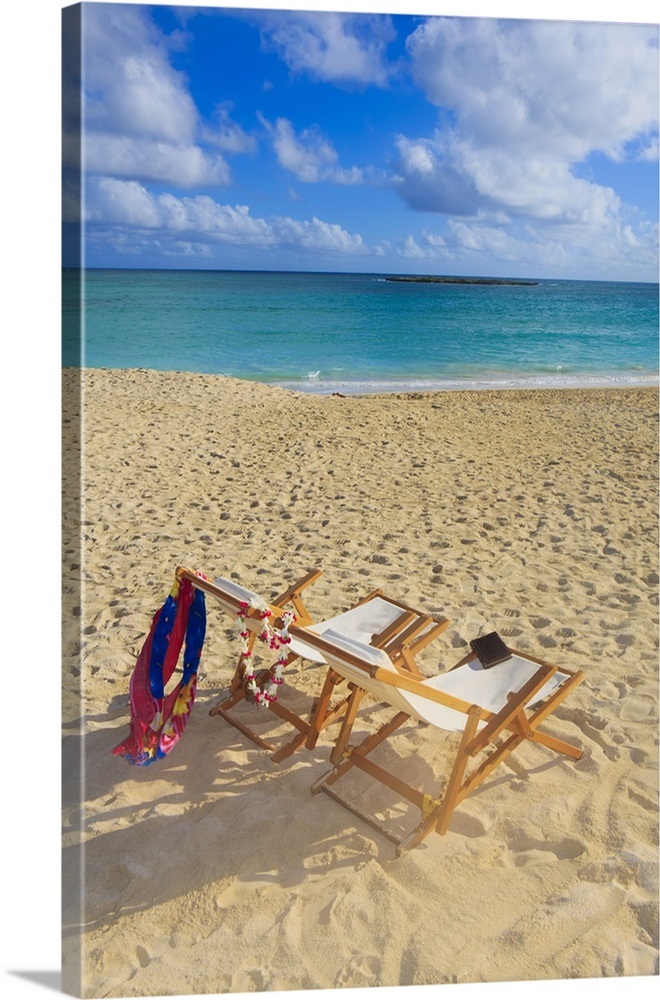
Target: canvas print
360,547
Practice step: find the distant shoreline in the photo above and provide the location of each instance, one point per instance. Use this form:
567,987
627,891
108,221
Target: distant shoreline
396,387
437,280
413,385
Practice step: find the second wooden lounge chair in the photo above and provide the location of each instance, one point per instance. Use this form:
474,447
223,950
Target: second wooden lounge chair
494,710
397,628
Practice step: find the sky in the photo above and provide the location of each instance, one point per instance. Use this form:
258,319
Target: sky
377,142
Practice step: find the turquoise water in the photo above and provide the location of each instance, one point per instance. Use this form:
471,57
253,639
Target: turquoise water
357,332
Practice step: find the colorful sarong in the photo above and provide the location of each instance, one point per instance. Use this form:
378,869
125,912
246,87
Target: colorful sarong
158,719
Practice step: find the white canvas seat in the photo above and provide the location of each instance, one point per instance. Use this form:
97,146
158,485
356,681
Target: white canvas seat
228,593
396,627
362,622
494,709
469,682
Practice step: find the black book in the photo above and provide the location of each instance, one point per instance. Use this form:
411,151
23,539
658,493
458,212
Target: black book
490,649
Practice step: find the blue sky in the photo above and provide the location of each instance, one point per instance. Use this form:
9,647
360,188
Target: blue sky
310,140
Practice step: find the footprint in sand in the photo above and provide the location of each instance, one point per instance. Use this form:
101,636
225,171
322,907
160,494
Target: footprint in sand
530,851
143,956
360,971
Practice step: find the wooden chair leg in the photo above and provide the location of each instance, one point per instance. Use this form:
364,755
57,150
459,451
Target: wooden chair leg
427,825
495,737
354,701
559,746
320,712
522,729
367,745
292,595
289,748
456,777
264,744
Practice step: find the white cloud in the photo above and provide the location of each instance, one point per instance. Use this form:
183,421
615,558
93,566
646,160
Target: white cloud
130,86
416,157
649,149
128,203
338,47
308,155
185,248
521,104
411,248
543,88
483,246
228,135
318,235
140,120
430,177
149,160
193,220
136,245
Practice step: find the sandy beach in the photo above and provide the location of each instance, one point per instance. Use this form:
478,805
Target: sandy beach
533,513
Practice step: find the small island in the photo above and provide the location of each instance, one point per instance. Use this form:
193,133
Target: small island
449,280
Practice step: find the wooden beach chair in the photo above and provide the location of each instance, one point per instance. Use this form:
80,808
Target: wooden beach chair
494,710
397,628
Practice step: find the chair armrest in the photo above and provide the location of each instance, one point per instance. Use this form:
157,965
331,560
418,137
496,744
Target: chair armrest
515,706
292,595
295,588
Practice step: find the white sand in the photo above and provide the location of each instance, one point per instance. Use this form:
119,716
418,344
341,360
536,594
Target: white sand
215,870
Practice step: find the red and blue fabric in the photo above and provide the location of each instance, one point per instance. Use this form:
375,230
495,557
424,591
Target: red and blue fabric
159,719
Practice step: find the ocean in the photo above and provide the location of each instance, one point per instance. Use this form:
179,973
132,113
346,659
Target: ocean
362,332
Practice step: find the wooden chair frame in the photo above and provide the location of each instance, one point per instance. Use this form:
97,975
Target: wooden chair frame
503,732
406,636
402,641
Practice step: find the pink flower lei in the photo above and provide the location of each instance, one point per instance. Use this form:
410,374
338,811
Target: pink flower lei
278,641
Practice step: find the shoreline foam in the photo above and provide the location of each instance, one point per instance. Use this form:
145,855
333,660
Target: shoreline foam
380,386
313,385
